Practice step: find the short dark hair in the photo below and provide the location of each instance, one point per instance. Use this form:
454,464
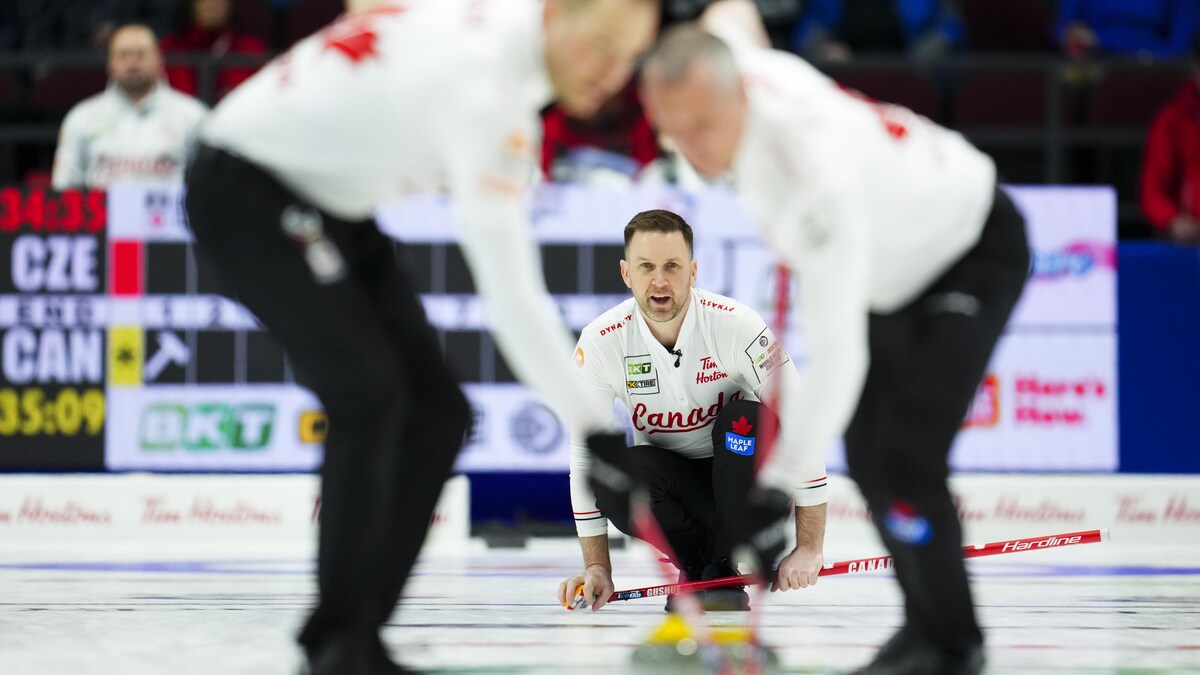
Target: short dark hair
658,220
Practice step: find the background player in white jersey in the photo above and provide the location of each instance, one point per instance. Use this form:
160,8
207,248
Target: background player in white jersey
138,129
281,192
690,367
910,261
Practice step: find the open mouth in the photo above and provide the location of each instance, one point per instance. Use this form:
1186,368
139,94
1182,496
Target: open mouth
660,300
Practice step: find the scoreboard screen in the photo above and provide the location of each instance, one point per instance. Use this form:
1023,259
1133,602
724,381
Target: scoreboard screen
53,275
119,351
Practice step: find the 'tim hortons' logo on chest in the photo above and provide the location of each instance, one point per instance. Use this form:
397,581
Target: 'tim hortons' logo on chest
639,375
708,371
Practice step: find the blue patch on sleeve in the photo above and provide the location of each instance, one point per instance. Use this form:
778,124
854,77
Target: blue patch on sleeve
739,445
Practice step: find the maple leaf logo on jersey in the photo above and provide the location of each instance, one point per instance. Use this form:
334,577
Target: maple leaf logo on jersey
741,427
354,36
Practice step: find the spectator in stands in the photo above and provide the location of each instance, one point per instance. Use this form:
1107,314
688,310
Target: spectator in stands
1158,28
616,143
836,30
1171,173
206,28
138,129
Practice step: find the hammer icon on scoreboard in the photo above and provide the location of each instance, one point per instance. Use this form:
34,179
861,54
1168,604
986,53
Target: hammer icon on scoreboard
170,350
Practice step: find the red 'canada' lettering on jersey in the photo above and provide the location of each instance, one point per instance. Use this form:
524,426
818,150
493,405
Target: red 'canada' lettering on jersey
674,421
670,395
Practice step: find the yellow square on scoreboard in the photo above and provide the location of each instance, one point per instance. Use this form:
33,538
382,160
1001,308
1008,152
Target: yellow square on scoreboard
313,426
126,355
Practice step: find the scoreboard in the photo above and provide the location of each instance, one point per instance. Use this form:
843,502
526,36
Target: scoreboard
52,346
120,351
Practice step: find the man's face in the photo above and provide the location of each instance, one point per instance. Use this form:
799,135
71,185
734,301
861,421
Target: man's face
659,269
592,47
704,120
133,60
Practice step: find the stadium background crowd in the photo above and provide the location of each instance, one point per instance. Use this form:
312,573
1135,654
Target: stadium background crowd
1058,91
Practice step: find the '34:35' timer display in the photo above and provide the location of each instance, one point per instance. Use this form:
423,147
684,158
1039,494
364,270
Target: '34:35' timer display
45,211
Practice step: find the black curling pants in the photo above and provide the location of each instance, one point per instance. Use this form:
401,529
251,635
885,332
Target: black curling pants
331,292
692,499
927,360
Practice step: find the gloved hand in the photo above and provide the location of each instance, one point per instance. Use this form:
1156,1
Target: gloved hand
760,530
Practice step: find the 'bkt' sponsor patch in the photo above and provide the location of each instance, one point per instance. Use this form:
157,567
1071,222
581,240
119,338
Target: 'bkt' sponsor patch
639,375
739,445
766,354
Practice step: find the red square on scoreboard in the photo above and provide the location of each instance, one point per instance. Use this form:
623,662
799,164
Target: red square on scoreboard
126,268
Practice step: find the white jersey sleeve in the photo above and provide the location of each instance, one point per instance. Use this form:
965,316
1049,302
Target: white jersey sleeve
868,203
806,193
759,360
590,366
70,161
822,234
488,168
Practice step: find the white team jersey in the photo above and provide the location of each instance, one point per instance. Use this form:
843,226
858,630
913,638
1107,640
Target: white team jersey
868,203
417,97
107,139
725,353
408,97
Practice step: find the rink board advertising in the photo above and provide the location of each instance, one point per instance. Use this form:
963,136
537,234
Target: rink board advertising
119,352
